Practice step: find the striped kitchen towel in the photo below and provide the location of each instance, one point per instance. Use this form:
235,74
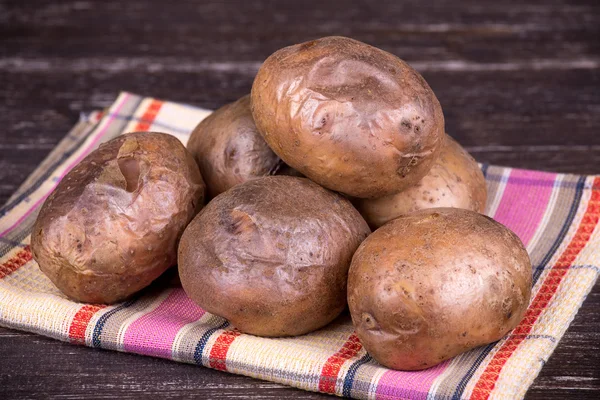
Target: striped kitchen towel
555,215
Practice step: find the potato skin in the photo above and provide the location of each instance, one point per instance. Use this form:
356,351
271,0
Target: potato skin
229,150
435,283
112,224
349,116
455,180
271,255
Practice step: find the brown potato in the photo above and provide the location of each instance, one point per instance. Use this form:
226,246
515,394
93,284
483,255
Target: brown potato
455,180
271,255
229,150
435,283
349,116
112,224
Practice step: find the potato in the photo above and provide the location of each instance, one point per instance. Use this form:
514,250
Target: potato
435,283
112,224
271,255
455,180
349,116
229,150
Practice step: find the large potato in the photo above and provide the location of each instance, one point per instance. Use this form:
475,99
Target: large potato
349,116
435,283
455,180
112,224
229,150
271,255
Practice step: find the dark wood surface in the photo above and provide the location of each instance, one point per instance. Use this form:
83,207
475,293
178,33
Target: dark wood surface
519,83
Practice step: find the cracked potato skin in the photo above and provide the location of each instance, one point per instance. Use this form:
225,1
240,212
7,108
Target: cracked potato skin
436,283
455,180
112,224
349,116
272,255
229,150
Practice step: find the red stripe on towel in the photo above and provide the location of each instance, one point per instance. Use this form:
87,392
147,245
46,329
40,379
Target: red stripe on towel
218,352
21,258
81,321
333,365
149,115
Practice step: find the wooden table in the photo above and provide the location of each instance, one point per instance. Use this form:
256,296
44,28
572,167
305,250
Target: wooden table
519,84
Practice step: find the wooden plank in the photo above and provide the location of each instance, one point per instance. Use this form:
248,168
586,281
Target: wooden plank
249,31
524,107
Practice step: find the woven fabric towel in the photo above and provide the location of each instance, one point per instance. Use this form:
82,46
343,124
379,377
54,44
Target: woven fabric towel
555,215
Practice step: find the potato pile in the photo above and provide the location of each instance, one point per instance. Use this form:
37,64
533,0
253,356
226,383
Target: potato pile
335,138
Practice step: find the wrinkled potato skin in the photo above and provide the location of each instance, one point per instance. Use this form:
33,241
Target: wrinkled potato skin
349,116
112,224
271,255
455,180
229,150
433,284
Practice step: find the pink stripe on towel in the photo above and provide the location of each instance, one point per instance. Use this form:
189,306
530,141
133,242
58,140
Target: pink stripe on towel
523,205
153,334
413,385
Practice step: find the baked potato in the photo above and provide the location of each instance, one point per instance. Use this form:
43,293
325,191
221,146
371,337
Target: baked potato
271,255
229,150
435,283
349,116
112,224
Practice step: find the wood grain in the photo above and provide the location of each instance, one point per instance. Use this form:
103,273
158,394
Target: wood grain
519,82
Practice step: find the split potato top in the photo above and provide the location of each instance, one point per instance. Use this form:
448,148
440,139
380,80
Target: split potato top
349,116
112,224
